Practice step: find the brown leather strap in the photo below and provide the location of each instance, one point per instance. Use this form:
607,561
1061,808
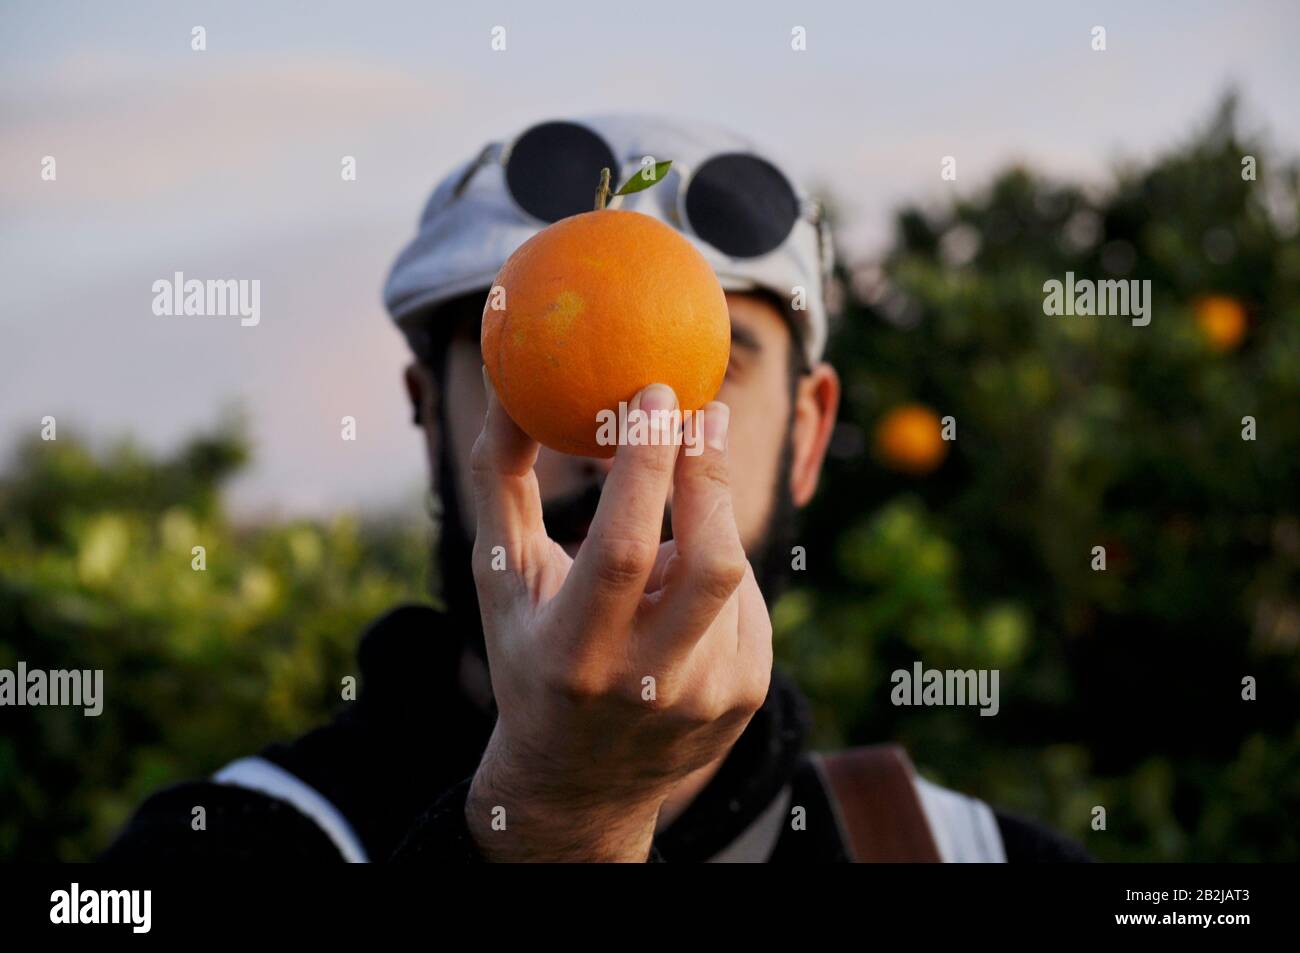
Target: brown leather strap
877,804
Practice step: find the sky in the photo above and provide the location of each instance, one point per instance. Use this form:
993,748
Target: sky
226,163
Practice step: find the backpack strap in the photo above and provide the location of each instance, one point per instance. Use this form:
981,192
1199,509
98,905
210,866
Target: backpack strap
965,829
874,796
267,777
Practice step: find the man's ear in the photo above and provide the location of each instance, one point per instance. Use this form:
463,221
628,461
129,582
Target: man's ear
420,390
817,399
423,392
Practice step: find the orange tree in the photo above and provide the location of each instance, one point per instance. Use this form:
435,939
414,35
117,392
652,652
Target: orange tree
1121,688
97,571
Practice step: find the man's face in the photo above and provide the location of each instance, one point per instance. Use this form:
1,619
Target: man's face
764,423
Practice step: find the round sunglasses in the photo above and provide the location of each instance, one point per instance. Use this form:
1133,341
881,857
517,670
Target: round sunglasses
738,202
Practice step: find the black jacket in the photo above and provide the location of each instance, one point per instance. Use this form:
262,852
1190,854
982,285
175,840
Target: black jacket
396,765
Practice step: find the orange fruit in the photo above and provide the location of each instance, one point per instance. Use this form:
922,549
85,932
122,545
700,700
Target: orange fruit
910,439
590,310
1222,321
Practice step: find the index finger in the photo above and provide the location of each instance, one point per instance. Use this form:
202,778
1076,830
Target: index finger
507,499
614,562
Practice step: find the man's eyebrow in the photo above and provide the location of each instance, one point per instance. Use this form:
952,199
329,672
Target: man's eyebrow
743,337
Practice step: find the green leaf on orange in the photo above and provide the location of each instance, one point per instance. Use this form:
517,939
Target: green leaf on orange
645,178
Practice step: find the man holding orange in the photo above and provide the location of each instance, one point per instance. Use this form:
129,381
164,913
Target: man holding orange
599,685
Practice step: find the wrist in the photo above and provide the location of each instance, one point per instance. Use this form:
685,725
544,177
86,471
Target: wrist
513,814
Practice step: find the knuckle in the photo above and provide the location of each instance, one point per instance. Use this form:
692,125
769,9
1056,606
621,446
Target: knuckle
669,693
711,474
719,574
727,716
622,561
712,713
579,687
480,457
712,702
738,704
755,691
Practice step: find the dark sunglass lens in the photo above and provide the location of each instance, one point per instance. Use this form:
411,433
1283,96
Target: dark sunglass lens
741,204
554,169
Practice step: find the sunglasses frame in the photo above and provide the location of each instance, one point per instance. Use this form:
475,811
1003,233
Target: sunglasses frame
809,210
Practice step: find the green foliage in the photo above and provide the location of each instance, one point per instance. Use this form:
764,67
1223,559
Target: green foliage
199,666
1119,688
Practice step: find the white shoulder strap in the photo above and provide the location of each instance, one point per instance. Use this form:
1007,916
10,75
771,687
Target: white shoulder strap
754,845
265,777
964,829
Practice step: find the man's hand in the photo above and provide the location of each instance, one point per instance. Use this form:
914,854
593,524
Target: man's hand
620,672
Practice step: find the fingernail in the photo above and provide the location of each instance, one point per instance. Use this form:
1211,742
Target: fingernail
717,417
487,384
658,397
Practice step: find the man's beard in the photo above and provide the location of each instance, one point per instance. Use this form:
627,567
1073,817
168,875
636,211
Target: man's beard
567,519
